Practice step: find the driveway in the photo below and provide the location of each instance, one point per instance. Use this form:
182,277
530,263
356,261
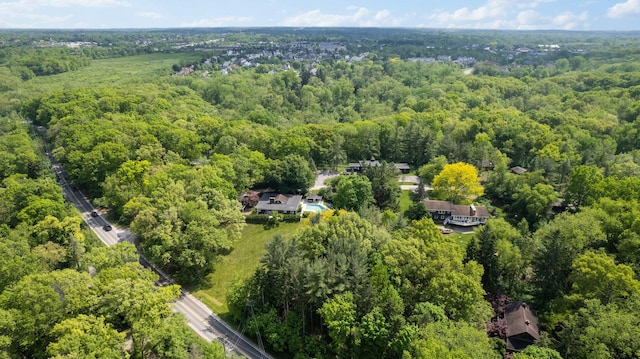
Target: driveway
409,178
322,177
414,187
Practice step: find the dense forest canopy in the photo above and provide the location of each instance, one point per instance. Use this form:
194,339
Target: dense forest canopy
165,129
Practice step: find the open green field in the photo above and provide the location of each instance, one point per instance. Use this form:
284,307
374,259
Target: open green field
240,264
115,72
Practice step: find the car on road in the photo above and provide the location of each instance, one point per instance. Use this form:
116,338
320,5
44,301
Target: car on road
107,227
94,214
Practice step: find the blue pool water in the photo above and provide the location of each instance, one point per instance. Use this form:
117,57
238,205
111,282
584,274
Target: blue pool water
314,207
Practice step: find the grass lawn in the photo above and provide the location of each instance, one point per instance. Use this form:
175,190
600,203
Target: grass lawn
241,263
114,72
462,239
405,201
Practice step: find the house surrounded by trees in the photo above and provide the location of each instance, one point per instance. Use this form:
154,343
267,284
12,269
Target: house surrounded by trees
459,215
522,326
282,203
358,167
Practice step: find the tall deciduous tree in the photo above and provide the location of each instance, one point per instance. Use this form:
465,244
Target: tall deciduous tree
584,185
458,182
352,192
495,247
339,314
291,174
534,203
430,268
385,186
597,276
599,331
86,337
561,241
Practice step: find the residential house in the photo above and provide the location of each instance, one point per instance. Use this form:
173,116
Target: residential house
459,215
282,203
522,326
313,198
403,167
357,167
484,165
518,170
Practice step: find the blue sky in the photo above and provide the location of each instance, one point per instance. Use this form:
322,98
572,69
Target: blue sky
481,14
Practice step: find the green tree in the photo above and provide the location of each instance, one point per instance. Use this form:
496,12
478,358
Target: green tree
560,242
533,203
352,192
458,182
429,268
596,276
39,301
446,339
110,257
584,186
429,171
339,315
86,337
497,250
599,331
291,174
535,352
372,335
7,326
384,184
417,211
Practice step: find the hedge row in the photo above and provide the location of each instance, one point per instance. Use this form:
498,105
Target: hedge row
267,218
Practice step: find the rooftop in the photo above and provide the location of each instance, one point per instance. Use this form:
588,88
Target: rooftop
456,209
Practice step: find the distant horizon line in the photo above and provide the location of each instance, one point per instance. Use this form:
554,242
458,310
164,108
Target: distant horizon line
177,28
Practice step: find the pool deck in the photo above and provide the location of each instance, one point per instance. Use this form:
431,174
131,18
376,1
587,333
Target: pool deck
320,204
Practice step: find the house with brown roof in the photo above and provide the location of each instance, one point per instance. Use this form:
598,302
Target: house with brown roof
522,326
282,203
456,214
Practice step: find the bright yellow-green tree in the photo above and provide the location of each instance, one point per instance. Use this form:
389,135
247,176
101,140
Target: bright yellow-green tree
458,182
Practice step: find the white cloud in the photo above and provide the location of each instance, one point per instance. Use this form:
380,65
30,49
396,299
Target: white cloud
504,14
219,21
152,15
358,16
532,20
30,5
37,13
30,20
492,10
623,9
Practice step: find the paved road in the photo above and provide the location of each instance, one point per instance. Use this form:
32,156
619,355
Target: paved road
199,318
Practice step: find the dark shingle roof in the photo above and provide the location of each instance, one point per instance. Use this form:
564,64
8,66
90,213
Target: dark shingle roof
455,209
281,202
518,170
402,166
522,321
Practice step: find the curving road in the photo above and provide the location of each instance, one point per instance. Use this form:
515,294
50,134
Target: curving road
199,318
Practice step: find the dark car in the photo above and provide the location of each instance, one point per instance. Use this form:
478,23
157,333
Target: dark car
107,227
94,214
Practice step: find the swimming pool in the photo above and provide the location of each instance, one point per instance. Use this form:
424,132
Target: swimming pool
314,207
